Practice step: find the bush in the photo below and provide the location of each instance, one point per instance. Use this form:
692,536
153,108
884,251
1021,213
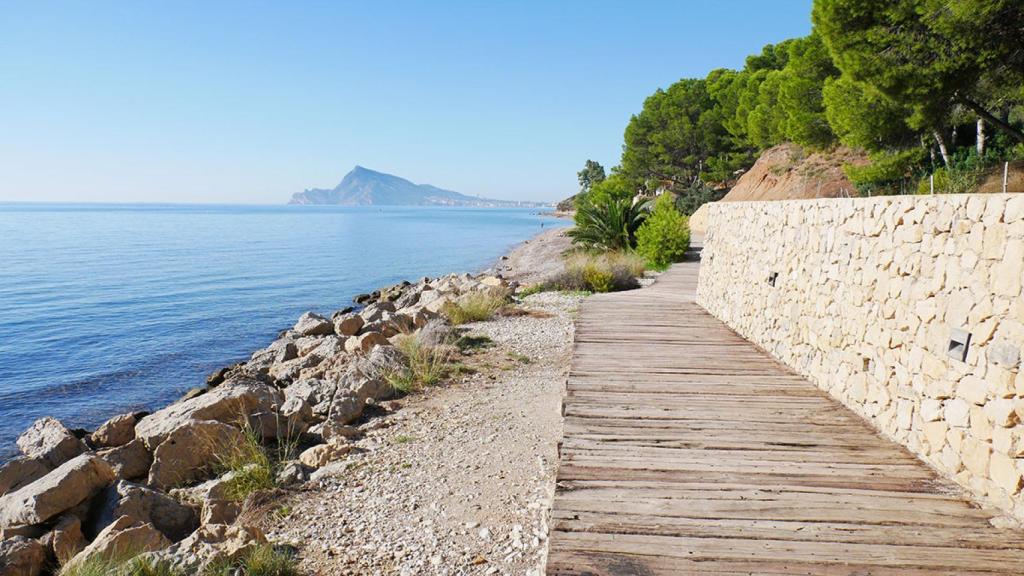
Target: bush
121,565
607,222
475,307
665,236
598,272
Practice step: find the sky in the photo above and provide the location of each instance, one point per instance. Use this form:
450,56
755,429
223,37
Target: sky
249,102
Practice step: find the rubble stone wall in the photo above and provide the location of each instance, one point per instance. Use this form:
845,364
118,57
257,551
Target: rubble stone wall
866,296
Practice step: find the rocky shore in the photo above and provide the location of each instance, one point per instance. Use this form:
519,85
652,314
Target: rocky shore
324,448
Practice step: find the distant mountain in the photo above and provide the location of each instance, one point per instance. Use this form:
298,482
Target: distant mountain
365,187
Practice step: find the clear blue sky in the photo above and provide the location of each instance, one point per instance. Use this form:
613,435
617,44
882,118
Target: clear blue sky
247,102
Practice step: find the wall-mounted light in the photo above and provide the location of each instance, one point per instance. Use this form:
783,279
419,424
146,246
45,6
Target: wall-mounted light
959,343
772,277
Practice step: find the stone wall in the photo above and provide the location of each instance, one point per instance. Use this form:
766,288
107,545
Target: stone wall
863,296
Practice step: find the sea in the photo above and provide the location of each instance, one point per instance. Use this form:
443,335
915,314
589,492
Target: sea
106,309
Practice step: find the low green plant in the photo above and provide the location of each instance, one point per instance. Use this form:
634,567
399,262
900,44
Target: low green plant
475,307
265,560
531,290
665,236
403,439
427,365
587,272
521,358
469,342
250,465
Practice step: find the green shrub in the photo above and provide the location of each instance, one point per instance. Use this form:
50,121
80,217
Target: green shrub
665,236
598,278
608,222
475,307
265,560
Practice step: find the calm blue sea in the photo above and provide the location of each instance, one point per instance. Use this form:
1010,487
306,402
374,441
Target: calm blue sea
110,308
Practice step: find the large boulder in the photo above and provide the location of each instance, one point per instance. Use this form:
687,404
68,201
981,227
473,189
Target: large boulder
348,324
173,519
20,471
20,556
366,376
129,461
124,537
49,440
214,499
212,543
235,401
435,332
190,451
66,539
345,407
68,485
117,431
311,324
290,370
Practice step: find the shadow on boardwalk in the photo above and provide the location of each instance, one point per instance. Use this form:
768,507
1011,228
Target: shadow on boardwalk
687,450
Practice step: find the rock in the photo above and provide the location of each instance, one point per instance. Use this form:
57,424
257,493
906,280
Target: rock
20,471
322,454
435,333
362,298
330,430
282,350
187,453
173,519
48,439
310,390
217,377
292,473
311,324
348,325
20,556
290,370
210,543
68,485
66,539
124,537
129,461
365,342
117,431
345,407
232,401
297,414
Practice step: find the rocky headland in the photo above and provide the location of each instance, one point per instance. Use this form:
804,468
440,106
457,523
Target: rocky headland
382,439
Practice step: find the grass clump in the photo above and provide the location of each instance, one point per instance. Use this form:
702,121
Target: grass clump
470,343
265,560
403,439
252,466
475,307
427,365
587,271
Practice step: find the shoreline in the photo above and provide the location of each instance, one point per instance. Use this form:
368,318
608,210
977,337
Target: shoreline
127,449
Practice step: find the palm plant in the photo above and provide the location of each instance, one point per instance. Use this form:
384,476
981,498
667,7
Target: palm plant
609,223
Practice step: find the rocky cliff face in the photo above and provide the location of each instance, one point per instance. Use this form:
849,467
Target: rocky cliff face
787,172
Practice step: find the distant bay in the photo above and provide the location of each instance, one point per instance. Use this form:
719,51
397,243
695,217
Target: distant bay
111,308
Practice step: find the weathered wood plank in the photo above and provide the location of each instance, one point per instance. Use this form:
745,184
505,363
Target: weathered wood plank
687,450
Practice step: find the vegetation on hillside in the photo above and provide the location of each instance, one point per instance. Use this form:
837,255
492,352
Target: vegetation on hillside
924,86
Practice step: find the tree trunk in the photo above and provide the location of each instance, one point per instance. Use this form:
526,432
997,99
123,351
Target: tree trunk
942,147
981,137
988,116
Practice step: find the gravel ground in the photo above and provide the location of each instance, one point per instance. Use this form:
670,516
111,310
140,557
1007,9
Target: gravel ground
536,259
454,480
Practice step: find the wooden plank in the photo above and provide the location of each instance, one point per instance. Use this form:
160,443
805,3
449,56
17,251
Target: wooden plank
688,450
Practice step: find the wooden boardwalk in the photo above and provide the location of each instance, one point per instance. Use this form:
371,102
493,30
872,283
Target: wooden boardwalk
687,450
